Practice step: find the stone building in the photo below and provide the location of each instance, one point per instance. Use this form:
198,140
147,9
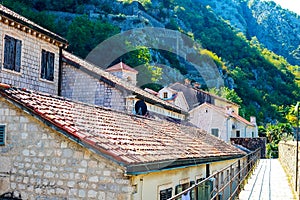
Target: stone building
88,83
210,112
29,54
55,148
33,58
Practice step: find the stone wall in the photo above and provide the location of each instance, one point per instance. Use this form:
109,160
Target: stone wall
38,162
287,158
81,86
29,76
252,144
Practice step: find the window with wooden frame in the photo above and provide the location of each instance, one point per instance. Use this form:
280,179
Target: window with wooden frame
12,53
165,95
2,134
47,65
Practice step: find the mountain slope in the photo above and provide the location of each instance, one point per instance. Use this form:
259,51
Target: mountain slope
234,39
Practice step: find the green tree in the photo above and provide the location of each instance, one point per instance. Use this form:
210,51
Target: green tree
275,133
84,34
228,94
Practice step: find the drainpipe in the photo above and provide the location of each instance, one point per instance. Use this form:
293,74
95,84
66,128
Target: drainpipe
246,131
227,129
59,73
297,150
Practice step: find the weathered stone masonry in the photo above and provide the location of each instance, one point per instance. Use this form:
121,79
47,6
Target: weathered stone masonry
29,76
38,162
76,83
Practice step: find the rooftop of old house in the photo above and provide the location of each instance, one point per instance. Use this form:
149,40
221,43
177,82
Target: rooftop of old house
227,113
17,21
195,96
137,143
102,75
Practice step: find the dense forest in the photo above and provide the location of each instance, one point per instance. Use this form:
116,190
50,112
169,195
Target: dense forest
265,84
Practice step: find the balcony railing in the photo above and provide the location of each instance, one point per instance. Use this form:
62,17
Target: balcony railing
224,184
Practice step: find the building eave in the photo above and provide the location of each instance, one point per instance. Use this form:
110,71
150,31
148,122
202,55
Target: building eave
145,168
32,29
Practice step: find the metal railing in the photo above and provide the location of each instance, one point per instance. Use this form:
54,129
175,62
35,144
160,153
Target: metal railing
224,184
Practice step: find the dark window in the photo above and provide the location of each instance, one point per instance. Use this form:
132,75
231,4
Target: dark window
165,95
47,71
215,132
238,133
12,53
165,194
2,135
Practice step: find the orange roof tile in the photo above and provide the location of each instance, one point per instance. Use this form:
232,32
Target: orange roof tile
140,144
121,66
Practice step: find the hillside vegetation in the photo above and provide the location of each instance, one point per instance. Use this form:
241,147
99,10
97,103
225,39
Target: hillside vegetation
266,82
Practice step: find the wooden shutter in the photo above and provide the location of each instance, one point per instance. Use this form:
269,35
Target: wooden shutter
17,66
193,191
178,189
169,193
2,135
165,194
50,67
43,64
8,52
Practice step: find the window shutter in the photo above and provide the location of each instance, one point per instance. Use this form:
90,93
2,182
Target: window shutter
50,67
18,55
169,193
12,52
43,64
7,52
2,135
178,189
165,194
192,193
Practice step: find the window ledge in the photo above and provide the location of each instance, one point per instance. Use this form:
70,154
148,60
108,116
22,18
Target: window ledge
11,71
47,81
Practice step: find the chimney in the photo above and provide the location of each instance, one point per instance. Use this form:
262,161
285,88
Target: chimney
125,72
197,85
253,120
229,110
187,82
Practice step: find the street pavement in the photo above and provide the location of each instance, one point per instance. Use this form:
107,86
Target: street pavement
268,182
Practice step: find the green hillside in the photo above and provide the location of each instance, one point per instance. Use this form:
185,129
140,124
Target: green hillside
267,84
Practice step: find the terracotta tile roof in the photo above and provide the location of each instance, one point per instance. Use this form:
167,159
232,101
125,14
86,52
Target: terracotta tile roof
225,112
139,144
82,64
7,13
121,66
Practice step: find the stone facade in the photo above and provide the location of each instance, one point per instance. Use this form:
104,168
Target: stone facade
31,52
82,81
83,87
287,158
38,162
